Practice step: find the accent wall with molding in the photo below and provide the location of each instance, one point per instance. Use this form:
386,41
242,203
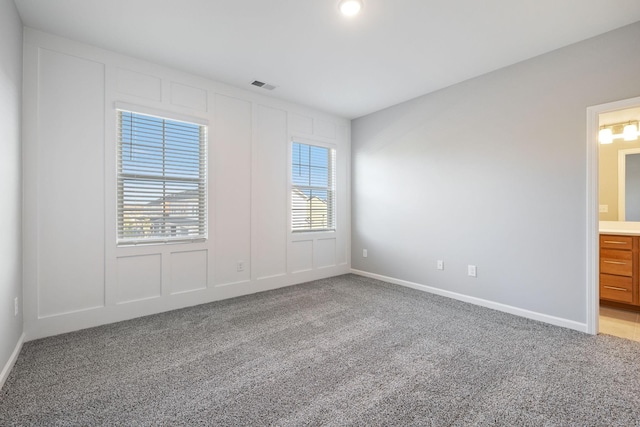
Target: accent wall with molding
76,276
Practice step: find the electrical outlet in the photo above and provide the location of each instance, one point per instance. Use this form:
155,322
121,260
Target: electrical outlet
364,253
240,266
471,270
16,308
440,264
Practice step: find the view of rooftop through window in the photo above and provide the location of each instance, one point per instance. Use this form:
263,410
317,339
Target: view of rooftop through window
313,188
161,179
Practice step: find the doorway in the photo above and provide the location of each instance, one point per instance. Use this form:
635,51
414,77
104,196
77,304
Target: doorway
606,164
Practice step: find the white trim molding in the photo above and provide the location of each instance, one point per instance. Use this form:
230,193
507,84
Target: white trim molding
557,321
11,362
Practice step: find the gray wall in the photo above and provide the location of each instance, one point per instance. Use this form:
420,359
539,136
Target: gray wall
10,178
490,172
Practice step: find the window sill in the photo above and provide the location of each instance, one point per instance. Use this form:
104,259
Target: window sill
142,243
312,235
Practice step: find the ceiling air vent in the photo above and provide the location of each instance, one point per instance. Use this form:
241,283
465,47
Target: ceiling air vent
263,85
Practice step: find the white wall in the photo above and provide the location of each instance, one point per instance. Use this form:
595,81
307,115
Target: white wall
491,172
10,182
75,275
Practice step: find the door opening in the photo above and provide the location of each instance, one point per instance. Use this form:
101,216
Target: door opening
612,211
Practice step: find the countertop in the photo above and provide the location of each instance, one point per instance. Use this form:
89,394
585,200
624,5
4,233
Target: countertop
620,228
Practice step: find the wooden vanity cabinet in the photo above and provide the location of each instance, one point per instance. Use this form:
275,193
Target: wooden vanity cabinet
619,270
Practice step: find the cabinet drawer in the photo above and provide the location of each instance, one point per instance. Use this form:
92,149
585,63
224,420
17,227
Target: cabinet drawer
608,241
616,262
616,288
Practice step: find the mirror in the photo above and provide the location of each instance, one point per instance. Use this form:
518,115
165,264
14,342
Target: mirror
619,172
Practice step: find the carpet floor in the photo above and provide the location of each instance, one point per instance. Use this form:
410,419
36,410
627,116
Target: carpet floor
341,351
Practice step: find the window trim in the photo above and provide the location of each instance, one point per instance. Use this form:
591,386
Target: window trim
204,153
321,233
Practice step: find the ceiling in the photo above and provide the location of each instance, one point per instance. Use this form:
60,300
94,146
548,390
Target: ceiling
393,51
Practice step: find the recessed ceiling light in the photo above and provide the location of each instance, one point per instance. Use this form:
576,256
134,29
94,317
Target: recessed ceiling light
350,7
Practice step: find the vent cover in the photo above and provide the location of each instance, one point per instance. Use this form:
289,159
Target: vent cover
263,85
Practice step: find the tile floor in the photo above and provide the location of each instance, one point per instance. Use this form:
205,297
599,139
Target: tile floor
621,323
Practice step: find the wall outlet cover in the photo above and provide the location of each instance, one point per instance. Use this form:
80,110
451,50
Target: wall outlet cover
471,269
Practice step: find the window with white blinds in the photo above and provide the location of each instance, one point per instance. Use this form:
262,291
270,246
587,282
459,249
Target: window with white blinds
313,178
162,179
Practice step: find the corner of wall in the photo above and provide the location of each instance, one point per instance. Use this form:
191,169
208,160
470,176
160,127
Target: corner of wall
11,323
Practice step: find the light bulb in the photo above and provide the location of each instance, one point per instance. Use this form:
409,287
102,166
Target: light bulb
350,7
630,132
605,136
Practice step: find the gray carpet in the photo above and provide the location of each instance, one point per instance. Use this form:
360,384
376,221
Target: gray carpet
340,351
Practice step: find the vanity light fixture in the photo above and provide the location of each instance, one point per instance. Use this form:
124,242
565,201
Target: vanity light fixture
630,132
605,136
350,7
625,130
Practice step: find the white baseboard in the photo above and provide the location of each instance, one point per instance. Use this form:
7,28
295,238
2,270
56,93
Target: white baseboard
557,321
12,361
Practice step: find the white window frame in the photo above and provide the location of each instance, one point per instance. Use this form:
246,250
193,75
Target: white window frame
202,180
334,190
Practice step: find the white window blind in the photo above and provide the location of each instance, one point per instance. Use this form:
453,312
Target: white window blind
313,178
161,179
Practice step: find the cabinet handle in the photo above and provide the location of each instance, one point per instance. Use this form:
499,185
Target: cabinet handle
614,242
615,288
615,262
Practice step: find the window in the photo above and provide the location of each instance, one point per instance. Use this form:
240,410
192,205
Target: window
161,179
313,177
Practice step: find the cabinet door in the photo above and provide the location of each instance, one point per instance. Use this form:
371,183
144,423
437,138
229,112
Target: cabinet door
616,288
616,262
608,241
